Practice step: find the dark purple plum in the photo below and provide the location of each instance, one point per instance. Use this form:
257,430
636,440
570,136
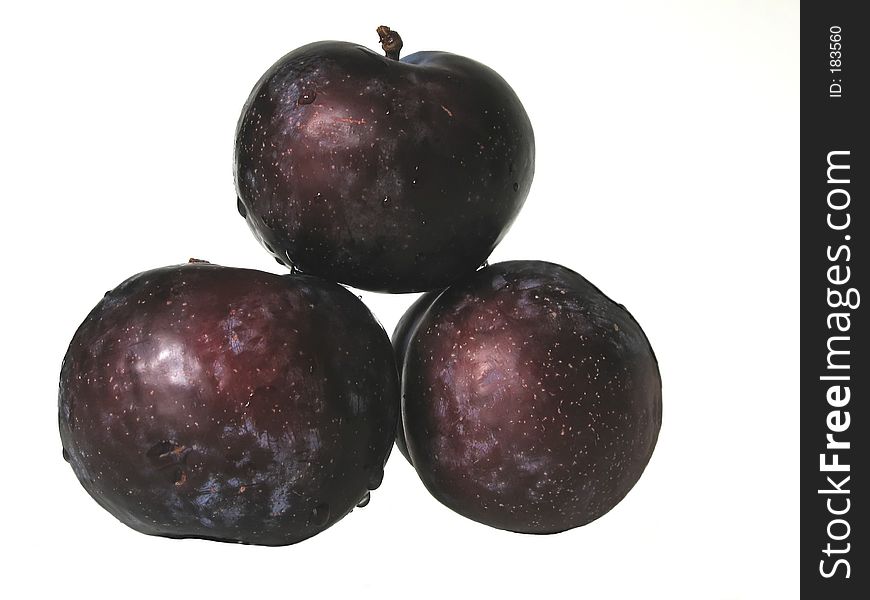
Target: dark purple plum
228,404
401,338
531,401
386,174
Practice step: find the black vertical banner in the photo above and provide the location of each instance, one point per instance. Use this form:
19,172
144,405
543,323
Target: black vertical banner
835,300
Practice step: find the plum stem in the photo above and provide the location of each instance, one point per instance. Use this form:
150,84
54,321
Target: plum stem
391,42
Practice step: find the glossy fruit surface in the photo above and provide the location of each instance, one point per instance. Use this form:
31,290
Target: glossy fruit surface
531,401
228,404
405,328
384,174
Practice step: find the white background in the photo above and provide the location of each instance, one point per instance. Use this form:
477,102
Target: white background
667,168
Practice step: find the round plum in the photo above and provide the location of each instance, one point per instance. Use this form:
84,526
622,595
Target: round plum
385,173
228,404
531,401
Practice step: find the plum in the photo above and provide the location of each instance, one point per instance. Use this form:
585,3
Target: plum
531,401
228,404
386,174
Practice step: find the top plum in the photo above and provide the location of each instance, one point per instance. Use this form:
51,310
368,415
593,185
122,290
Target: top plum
387,174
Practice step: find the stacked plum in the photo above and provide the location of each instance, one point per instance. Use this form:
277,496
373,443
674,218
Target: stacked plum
237,405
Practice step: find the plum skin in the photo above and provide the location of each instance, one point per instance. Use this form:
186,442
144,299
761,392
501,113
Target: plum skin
400,339
228,404
531,402
387,175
